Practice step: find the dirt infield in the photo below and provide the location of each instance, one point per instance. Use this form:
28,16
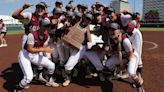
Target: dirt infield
153,72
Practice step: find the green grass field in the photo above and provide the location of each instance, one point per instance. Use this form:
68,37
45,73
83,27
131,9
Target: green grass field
15,32
152,29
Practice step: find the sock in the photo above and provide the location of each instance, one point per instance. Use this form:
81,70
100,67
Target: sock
139,70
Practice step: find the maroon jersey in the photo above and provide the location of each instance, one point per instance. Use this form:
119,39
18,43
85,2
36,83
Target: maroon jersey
115,47
39,41
34,23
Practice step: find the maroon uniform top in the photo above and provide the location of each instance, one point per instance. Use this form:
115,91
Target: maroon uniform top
39,41
33,25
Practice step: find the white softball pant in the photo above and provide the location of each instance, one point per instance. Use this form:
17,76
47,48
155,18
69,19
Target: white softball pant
132,64
93,57
61,52
137,42
76,55
25,60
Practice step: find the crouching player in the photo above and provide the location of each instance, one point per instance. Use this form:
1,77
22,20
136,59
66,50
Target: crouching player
33,53
126,47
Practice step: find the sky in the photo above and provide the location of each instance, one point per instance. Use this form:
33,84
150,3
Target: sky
8,6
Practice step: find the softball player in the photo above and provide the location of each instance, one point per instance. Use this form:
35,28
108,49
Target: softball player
136,39
60,53
33,53
62,50
97,55
132,55
3,31
95,58
54,37
76,55
30,20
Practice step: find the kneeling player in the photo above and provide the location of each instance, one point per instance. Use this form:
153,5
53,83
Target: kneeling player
33,53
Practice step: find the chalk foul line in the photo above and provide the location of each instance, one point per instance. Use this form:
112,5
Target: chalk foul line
155,45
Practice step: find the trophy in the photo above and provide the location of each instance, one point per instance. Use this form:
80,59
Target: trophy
75,36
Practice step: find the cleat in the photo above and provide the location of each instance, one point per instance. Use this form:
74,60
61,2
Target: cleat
41,78
141,89
1,45
94,74
123,76
18,89
66,83
27,87
4,45
91,75
51,83
139,83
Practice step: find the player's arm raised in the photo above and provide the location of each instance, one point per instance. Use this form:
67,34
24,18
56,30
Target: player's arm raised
18,13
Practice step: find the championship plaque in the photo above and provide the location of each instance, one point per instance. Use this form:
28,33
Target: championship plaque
75,36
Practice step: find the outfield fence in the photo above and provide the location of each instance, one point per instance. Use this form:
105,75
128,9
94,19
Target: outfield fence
152,25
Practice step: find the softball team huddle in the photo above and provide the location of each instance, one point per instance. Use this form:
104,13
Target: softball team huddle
112,43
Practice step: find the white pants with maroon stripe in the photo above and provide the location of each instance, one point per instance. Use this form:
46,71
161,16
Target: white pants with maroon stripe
25,59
